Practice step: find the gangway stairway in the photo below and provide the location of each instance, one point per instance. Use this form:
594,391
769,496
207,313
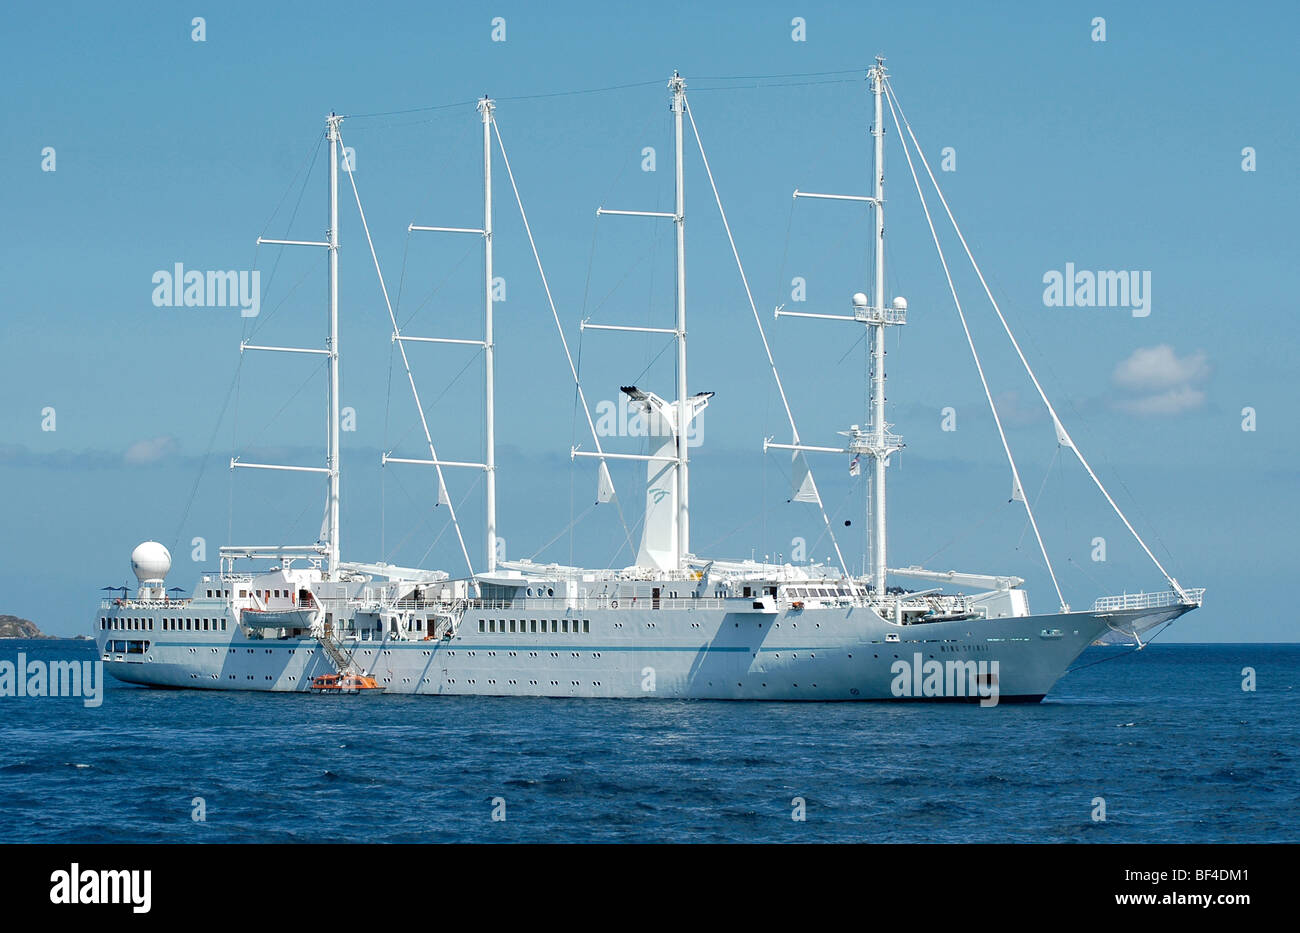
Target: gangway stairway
342,663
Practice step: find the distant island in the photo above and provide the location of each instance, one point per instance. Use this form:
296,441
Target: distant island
14,627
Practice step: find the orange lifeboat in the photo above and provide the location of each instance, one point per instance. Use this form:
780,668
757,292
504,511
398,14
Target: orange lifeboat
349,683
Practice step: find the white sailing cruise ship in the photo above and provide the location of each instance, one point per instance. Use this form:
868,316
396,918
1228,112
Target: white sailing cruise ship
672,625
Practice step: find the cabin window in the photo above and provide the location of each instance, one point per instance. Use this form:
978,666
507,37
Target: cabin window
533,626
209,594
243,594
564,625
223,625
512,625
492,625
586,626
480,625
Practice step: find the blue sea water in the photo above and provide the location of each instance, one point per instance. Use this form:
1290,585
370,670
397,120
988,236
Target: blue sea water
1167,737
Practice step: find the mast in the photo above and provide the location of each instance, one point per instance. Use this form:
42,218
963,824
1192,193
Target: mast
875,440
486,108
327,546
881,453
332,452
678,86
665,537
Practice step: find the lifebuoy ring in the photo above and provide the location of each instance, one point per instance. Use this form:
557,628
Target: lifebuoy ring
613,604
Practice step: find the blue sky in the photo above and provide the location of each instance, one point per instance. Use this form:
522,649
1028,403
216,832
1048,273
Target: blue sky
1117,155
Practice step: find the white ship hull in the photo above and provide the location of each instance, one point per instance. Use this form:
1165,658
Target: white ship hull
817,654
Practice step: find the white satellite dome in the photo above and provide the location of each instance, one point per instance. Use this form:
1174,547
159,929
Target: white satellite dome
859,300
150,562
900,303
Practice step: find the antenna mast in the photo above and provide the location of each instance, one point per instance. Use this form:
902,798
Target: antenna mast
875,440
486,108
880,451
332,454
678,86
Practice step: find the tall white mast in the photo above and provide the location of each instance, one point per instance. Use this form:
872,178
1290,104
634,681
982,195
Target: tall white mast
881,452
678,87
332,454
666,534
328,546
486,107
874,441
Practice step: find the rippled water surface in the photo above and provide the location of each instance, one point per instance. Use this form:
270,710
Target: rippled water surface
1167,736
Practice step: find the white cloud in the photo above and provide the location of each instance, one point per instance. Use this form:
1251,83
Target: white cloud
1154,369
151,451
1157,381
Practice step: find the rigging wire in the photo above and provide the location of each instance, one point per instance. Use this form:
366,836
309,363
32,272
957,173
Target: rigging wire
1061,432
602,90
997,420
555,314
754,308
433,455
1138,647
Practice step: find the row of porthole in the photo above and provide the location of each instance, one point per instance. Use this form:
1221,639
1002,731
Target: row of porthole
742,685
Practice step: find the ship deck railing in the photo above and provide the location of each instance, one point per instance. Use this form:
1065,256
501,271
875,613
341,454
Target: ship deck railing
939,603
134,603
1158,600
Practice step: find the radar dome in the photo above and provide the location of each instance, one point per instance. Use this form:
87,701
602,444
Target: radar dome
859,300
150,562
900,303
